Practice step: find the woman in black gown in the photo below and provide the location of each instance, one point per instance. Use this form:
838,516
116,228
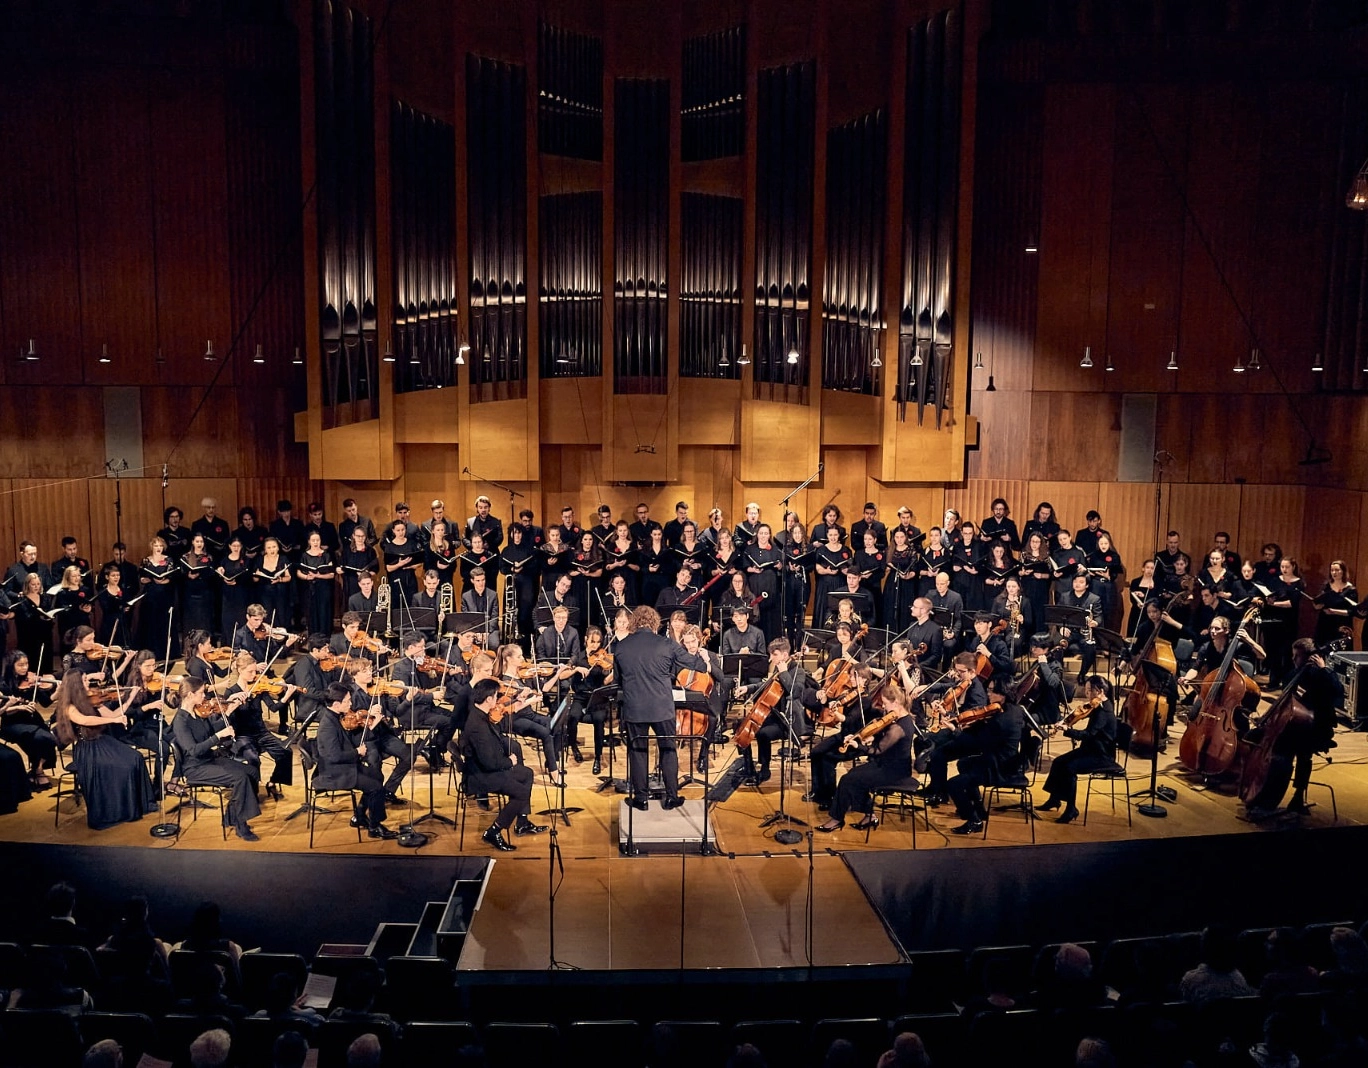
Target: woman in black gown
316,572
402,557
439,557
72,604
1036,574
112,775
656,574
22,724
1335,604
358,559
586,571
900,588
159,596
518,562
832,560
235,575
114,614
197,591
619,557
763,563
276,584
33,623
250,534
797,581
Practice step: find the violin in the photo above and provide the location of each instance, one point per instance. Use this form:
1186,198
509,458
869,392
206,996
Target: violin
1078,715
602,659
874,728
212,706
274,687
157,682
542,670
945,704
972,715
366,642
221,656
358,718
104,652
386,688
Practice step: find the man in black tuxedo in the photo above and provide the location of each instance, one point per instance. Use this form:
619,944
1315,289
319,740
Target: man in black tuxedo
646,664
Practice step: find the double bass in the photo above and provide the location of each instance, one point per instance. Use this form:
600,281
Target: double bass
1264,769
1142,703
1210,744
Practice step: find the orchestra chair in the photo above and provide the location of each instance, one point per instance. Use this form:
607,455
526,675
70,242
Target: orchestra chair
258,969
522,1043
781,1041
908,802
133,1031
79,963
308,762
47,1037
66,770
435,1041
869,1037
606,1043
1116,772
1018,784
463,797
189,794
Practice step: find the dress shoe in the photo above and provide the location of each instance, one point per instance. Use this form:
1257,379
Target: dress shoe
1050,805
355,821
867,824
246,833
763,774
494,837
830,825
482,803
525,827
967,827
598,767
379,830
639,804
574,752
274,791
391,798
672,802
1298,805
1068,815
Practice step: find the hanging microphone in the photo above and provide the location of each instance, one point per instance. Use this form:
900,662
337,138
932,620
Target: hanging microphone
164,476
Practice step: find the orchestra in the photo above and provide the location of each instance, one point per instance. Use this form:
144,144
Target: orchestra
945,641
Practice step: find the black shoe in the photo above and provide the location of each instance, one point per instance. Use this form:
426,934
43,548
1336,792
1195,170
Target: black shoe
922,762
1050,805
274,791
482,803
967,827
526,826
639,805
355,821
391,798
379,830
246,833
672,802
574,752
1068,815
830,825
494,837
867,824
597,766
763,774
1297,805
703,765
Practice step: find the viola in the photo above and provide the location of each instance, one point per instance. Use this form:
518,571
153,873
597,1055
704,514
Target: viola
156,682
267,685
970,716
874,728
1079,714
542,670
366,642
359,718
104,652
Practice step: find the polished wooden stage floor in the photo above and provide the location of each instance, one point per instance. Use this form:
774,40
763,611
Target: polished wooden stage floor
736,821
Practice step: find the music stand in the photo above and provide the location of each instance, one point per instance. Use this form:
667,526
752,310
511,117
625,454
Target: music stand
375,623
859,599
608,695
541,617
1111,643
1160,679
692,612
816,639
421,619
693,702
557,726
1060,615
745,665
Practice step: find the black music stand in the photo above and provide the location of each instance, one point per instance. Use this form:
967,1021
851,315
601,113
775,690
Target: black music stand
1160,680
421,619
745,666
788,755
375,623
1112,644
1060,615
860,599
541,617
815,640
692,612
609,696
694,702
558,722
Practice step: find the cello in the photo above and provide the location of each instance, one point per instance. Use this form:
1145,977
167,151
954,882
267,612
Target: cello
1267,772
766,700
1210,744
1142,703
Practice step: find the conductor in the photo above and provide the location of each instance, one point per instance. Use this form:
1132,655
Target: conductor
646,664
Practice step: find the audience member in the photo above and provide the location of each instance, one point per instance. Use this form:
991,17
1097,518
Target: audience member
285,1004
1351,961
1094,1053
1287,971
746,1056
291,1050
212,1049
207,997
105,1053
1217,976
206,932
58,927
47,987
909,1051
365,1052
355,999
1071,985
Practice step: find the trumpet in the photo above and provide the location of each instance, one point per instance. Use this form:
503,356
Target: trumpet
509,624
446,601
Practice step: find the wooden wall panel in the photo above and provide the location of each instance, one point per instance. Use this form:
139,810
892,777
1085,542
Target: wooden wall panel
1269,513
974,499
51,433
211,449
9,539
1007,428
115,206
46,512
1071,501
1196,511
1330,531
373,499
142,515
1076,436
1128,513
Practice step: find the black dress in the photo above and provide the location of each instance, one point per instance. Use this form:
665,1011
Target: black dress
318,591
518,562
276,596
837,559
197,593
154,610
33,632
355,563
67,604
14,781
1327,625
655,572
113,779
236,576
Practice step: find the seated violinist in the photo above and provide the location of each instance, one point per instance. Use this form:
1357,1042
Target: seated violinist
846,711
522,719
204,753
961,689
855,605
380,735
1095,749
249,720
353,643
416,708
90,658
888,761
345,760
255,637
999,756
493,763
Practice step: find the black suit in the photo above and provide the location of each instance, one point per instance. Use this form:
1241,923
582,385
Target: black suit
341,767
646,665
202,759
489,767
1096,750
